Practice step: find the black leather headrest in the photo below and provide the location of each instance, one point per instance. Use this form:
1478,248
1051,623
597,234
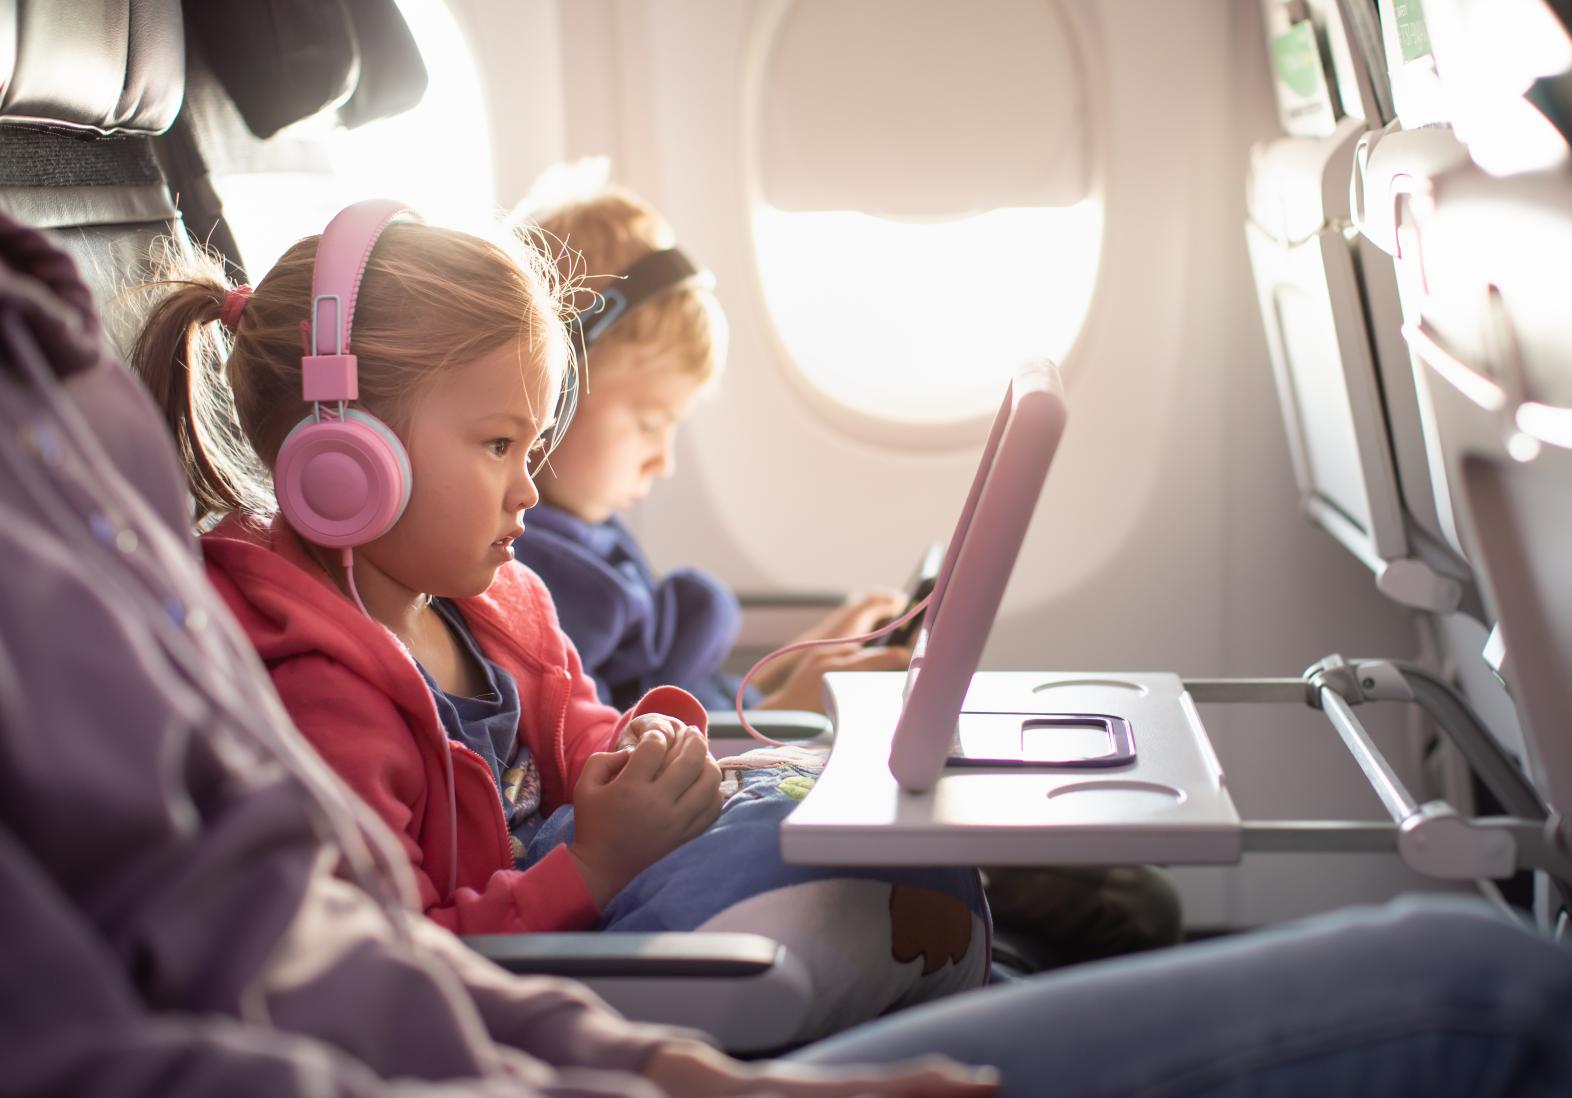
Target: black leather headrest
107,66
285,60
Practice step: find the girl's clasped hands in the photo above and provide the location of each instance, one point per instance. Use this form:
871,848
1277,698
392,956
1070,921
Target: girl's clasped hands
636,804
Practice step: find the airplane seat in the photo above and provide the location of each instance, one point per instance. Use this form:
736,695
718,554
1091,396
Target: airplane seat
1329,306
1333,302
1490,333
1481,232
79,116
1329,303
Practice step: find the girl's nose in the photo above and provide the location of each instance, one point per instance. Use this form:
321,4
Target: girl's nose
524,494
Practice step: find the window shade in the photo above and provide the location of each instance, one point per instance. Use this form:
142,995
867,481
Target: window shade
922,108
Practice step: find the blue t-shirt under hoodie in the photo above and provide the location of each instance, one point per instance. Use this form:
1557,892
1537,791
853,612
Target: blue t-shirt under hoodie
488,725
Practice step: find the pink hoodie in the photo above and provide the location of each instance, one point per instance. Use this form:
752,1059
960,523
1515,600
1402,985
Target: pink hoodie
354,691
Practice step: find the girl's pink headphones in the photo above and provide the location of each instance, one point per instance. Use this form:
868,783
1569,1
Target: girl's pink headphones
342,477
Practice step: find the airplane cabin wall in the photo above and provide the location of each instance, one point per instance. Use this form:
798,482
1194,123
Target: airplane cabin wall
1168,536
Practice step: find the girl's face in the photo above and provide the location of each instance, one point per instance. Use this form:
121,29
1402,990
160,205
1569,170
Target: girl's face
621,439
473,436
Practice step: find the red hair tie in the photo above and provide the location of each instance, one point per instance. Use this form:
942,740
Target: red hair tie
234,304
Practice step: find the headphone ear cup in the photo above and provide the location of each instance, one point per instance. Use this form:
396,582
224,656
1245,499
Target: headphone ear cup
342,482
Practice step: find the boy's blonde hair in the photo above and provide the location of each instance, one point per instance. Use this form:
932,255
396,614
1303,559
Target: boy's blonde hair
430,298
602,235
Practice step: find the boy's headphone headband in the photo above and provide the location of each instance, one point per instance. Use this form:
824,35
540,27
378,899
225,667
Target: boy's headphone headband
654,276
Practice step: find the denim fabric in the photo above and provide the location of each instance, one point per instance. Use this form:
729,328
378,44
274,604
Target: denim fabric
1431,996
737,858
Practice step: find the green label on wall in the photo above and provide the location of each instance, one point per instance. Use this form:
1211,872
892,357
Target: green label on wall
1296,60
1304,99
1412,37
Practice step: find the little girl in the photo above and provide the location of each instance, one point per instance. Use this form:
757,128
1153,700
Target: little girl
424,665
428,667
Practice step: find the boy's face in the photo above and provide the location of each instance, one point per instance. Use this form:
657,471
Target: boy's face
621,437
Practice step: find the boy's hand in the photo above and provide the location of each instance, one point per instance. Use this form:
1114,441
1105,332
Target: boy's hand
858,615
804,687
634,806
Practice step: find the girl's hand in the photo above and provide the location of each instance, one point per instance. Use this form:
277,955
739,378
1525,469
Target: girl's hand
669,727
804,687
859,615
633,807
687,1069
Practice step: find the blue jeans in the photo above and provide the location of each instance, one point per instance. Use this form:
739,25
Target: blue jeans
1431,996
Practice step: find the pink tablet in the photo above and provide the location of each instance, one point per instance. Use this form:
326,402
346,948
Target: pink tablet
976,567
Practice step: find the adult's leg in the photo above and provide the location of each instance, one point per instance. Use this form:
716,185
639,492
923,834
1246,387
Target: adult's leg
1429,996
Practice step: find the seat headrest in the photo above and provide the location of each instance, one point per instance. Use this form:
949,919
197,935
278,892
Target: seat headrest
105,66
285,60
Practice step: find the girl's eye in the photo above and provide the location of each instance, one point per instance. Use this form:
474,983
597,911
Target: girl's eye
500,446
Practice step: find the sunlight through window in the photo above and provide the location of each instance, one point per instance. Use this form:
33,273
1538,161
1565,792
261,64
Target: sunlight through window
922,322
435,156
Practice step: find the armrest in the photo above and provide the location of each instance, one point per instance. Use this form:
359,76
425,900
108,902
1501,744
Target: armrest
629,955
798,727
795,725
747,992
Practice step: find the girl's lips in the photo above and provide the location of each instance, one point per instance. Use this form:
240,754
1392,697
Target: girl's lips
503,546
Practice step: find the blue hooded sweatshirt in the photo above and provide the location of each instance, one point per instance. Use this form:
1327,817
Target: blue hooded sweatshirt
633,630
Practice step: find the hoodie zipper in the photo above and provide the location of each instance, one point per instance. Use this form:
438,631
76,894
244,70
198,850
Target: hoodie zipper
461,749
559,729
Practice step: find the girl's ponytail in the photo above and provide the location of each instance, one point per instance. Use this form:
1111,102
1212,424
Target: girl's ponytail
179,355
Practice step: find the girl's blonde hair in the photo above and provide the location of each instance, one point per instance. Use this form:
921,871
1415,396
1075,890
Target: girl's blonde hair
603,234
430,298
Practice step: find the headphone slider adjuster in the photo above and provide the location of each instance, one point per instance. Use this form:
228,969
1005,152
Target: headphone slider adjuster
329,378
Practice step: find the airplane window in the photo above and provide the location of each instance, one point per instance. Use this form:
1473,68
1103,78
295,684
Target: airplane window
437,156
925,322
927,218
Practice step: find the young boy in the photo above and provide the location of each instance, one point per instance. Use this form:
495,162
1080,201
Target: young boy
651,342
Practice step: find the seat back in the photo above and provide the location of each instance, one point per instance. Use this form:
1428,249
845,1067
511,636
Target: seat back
1484,265
1491,332
78,115
1329,305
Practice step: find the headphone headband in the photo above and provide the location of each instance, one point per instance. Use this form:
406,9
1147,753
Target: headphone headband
341,479
328,371
652,277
